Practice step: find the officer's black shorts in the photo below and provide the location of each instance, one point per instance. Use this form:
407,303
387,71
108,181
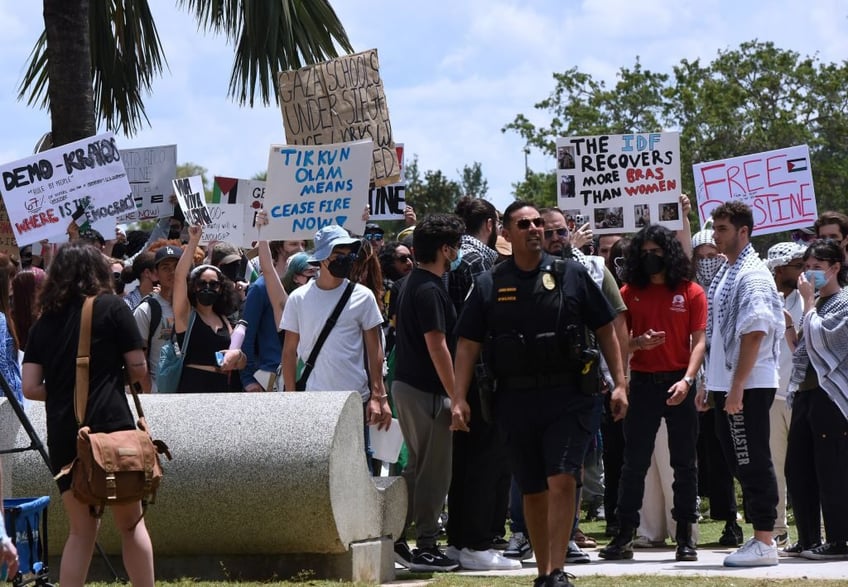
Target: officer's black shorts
546,433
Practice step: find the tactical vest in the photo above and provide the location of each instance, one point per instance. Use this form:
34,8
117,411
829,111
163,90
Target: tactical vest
533,324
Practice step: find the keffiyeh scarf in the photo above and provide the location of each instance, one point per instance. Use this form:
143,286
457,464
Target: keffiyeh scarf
748,295
824,344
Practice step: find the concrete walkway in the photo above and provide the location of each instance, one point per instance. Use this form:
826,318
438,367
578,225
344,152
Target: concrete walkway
660,562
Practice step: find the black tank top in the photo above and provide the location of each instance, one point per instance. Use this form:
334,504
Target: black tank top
204,342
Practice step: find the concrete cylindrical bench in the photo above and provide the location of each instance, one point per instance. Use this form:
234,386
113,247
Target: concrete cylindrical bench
261,485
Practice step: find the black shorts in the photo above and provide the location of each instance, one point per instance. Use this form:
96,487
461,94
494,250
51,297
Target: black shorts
546,433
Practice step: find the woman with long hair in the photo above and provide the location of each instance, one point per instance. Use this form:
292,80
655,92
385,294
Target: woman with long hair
816,459
8,336
26,287
209,296
80,271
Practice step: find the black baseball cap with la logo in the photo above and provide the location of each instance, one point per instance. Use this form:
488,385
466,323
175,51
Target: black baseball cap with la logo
168,252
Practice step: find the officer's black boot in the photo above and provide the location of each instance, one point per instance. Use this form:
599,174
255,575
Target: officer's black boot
620,547
685,547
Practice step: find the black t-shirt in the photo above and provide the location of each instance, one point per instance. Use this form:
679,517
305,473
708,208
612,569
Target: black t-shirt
423,306
578,287
53,343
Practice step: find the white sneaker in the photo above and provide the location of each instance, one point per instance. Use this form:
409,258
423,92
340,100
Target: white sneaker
486,560
753,554
452,551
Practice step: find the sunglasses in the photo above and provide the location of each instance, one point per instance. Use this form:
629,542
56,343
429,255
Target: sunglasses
525,223
403,258
214,285
560,232
374,236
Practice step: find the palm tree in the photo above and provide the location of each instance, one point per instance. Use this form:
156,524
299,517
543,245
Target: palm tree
96,58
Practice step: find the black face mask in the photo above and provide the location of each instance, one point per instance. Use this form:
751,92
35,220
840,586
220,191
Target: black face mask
340,267
653,264
207,297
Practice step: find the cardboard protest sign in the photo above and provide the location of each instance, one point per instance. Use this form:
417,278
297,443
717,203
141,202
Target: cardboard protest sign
192,200
312,187
248,192
389,202
622,182
227,224
43,191
150,171
8,244
777,185
337,101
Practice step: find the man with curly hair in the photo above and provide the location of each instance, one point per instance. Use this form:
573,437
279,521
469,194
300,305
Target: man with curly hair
666,314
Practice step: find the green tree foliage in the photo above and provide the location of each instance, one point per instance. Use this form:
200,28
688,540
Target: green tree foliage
435,192
750,99
96,58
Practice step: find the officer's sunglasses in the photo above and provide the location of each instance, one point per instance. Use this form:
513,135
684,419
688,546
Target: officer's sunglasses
560,232
525,223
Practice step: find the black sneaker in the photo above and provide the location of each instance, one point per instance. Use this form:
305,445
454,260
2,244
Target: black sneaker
518,547
731,535
425,560
499,543
540,581
559,578
827,551
575,556
403,555
796,549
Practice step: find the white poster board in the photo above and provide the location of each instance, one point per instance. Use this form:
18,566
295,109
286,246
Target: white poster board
42,192
621,182
310,187
777,185
227,224
389,202
150,171
250,193
192,200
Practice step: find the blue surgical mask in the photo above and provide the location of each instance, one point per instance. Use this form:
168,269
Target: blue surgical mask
454,265
816,277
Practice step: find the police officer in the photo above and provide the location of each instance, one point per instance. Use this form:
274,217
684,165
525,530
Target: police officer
535,315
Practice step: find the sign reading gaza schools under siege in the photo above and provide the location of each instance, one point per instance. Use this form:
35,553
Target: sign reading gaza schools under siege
42,192
312,187
250,193
192,200
389,201
622,182
338,101
777,185
150,171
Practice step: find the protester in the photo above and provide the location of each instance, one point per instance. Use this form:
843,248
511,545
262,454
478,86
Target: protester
833,225
9,344
744,328
204,298
423,386
816,459
143,271
79,271
26,287
374,234
667,315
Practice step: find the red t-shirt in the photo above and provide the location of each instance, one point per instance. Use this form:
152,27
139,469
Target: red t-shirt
679,313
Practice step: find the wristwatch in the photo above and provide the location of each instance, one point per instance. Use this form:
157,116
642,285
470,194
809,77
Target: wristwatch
689,380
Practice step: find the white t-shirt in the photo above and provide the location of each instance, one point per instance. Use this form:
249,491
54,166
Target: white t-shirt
340,365
161,335
792,304
764,373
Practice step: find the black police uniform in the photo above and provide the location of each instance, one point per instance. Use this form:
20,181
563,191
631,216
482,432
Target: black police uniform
530,323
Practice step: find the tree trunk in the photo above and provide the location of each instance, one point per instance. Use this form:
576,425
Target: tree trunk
69,70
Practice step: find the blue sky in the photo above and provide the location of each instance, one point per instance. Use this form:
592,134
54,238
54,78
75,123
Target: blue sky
454,71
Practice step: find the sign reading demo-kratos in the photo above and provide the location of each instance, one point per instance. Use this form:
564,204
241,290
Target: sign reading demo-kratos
43,192
340,101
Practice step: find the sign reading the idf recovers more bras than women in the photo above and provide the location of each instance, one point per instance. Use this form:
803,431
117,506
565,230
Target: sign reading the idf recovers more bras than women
339,101
150,171
309,188
42,192
622,182
777,185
